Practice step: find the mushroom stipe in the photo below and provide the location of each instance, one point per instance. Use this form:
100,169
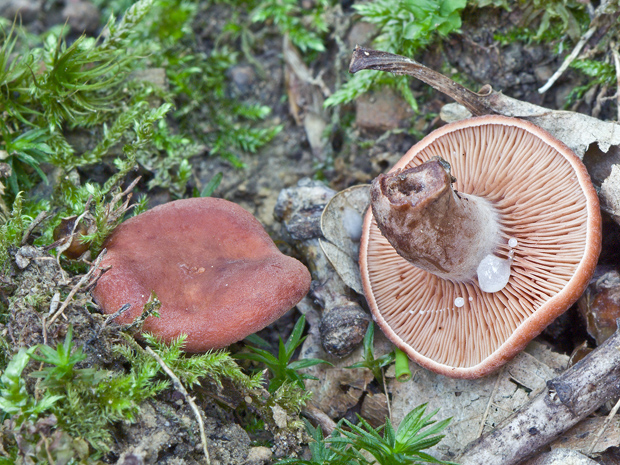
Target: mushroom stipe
217,273
523,196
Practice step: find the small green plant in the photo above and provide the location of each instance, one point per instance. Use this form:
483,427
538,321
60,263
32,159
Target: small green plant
404,28
12,228
22,151
52,87
213,183
225,126
598,73
213,365
26,422
303,26
551,19
325,451
404,446
90,399
370,362
85,401
15,400
415,433
546,12
281,368
63,360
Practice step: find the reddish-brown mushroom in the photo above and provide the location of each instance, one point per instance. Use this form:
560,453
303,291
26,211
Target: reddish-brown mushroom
523,202
217,273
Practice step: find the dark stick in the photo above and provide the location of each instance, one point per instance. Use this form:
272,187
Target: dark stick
364,58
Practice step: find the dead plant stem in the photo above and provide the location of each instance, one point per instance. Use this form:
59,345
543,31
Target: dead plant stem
616,55
610,417
568,60
77,287
486,412
190,400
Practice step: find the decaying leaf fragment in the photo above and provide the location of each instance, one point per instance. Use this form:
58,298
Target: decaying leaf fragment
610,193
477,406
306,95
600,304
341,224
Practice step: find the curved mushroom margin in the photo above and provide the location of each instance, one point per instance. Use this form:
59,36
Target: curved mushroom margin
543,316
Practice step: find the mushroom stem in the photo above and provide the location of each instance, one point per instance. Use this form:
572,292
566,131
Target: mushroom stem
431,225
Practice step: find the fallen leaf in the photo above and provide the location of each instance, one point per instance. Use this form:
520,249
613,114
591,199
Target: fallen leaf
476,406
341,225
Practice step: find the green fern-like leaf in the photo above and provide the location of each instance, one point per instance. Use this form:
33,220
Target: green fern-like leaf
416,432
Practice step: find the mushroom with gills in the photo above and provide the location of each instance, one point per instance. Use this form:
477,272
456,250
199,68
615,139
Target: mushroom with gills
522,205
216,271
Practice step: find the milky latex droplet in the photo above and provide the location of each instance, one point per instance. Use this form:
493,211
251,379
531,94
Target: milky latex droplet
512,242
493,273
459,302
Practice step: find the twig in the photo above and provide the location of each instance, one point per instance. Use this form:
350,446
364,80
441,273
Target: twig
364,58
486,412
300,69
116,314
600,98
611,415
487,101
616,55
179,387
47,449
569,398
387,395
320,417
597,25
40,217
568,60
77,287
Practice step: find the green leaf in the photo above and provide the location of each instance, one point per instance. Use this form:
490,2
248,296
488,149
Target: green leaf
281,368
402,447
213,183
295,338
257,341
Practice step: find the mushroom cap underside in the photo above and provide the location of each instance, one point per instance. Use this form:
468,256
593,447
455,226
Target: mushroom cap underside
545,200
217,273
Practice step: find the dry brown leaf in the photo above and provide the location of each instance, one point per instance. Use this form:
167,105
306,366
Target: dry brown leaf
476,406
341,225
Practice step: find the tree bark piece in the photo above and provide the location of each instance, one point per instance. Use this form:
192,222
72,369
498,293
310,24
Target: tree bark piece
568,398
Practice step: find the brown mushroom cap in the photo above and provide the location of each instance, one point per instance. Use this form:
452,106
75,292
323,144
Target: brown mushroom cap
545,200
217,273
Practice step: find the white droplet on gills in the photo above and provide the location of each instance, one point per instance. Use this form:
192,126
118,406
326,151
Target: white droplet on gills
512,242
352,222
493,273
459,302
